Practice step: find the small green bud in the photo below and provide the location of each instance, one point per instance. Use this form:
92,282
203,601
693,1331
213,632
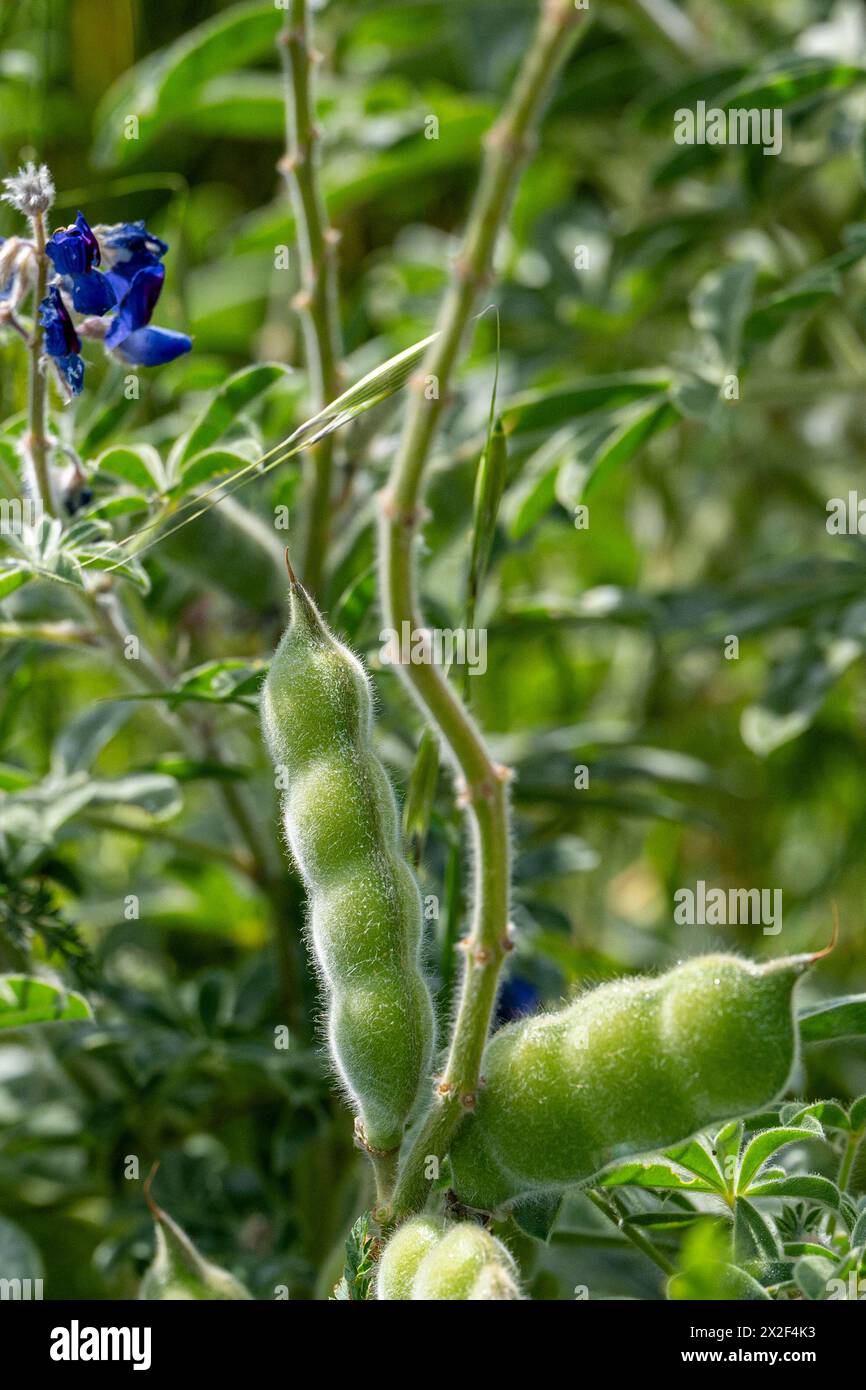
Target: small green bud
468,1263
403,1255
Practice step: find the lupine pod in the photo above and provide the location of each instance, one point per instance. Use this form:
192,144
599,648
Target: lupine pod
403,1255
467,1263
178,1272
632,1067
342,828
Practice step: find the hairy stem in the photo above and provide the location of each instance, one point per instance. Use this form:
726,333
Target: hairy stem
317,300
609,1209
37,441
483,784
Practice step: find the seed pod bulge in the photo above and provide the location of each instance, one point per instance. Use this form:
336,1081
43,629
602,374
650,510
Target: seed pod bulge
403,1254
467,1264
342,827
632,1067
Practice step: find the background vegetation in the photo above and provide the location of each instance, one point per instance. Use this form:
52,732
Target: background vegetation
606,644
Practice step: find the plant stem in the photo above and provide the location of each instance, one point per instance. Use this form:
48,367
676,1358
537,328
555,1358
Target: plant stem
317,299
637,1238
851,1145
37,442
483,784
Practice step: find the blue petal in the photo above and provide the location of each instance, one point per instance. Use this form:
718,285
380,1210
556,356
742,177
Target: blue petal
151,347
74,250
92,293
72,367
60,337
131,248
137,305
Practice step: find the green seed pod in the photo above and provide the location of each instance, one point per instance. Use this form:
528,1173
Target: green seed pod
179,1272
634,1066
468,1263
342,828
402,1257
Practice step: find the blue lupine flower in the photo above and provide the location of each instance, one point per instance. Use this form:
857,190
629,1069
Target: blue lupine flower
129,335
129,247
75,252
517,998
61,340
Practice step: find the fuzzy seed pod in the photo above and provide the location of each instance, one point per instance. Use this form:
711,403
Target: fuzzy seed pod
634,1066
469,1264
179,1272
341,824
403,1255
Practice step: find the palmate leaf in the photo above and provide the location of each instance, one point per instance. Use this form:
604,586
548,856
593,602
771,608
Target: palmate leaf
25,1000
764,1145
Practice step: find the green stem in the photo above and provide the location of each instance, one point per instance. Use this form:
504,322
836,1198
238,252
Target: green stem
483,784
37,441
848,1157
637,1238
317,299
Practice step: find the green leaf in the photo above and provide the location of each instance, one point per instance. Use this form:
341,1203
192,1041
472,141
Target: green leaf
753,1234
807,1187
138,464
25,1000
719,305
720,1281
549,409
13,573
834,1018
226,404
209,464
696,1157
811,1274
857,1113
828,1113
653,1173
164,85
764,1145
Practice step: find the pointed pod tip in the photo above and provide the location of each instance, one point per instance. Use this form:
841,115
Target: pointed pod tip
155,1211
293,578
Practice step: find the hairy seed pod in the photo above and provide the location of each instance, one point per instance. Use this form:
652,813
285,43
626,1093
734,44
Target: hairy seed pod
468,1263
178,1272
632,1067
341,824
403,1255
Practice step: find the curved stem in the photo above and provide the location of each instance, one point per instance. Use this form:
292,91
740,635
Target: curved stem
483,784
609,1209
317,300
37,442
